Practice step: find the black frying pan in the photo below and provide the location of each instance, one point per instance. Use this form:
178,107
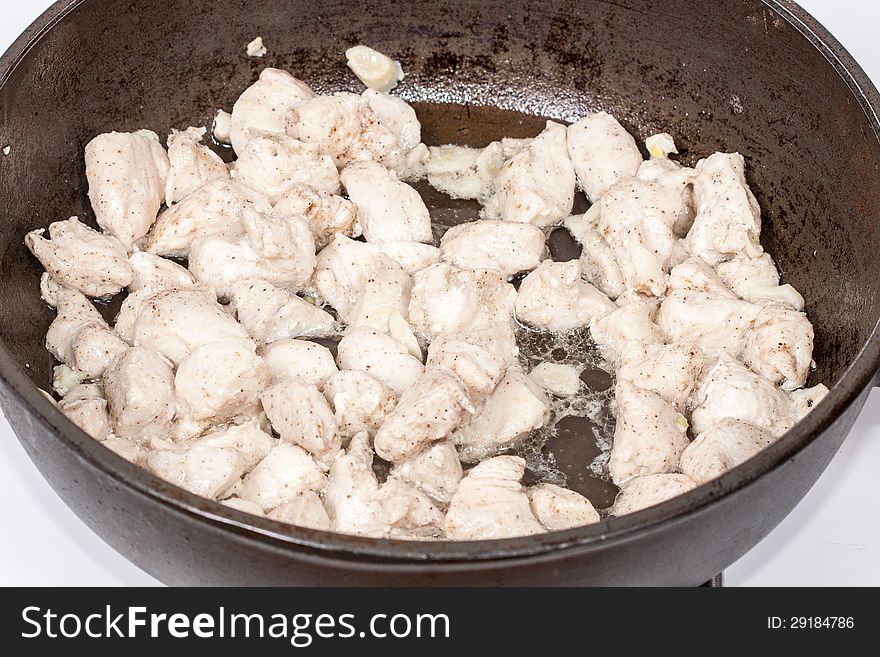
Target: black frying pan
761,78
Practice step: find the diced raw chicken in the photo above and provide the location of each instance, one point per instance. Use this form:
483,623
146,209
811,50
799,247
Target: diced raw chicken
409,513
695,275
554,297
558,508
81,258
672,175
381,356
127,449
287,471
273,163
598,265
602,153
310,362
436,471
631,321
139,388
470,173
670,370
557,378
648,490
729,389
805,399
490,503
150,272
352,489
388,209
385,294
301,415
396,115
211,211
192,164
476,365
126,172
266,106
412,256
305,510
757,280
723,446
535,186
203,469
248,438
728,220
516,407
85,406
243,505
780,346
360,402
649,437
270,314
504,246
326,213
428,411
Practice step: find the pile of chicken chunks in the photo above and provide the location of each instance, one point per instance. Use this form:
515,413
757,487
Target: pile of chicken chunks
212,378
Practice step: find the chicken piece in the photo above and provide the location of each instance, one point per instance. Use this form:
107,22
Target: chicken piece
326,213
633,321
412,256
287,471
516,407
598,266
266,106
757,280
446,299
535,186
205,470
780,346
352,490
86,407
649,437
723,446
360,402
211,211
81,258
729,389
695,275
385,294
126,172
470,173
305,510
388,209
396,115
273,163
310,362
436,471
476,365
728,219
602,153
243,505
301,416
192,164
375,69
381,356
558,508
648,490
554,297
410,513
127,449
150,272
271,314
139,387
670,370
429,411
248,438
221,127
556,378
714,323
502,246
672,175
805,399
490,503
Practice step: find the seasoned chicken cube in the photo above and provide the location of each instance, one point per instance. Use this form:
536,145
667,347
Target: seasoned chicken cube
723,446
670,370
192,164
780,346
350,498
757,280
473,362
266,106
381,356
126,172
308,361
672,175
305,510
695,275
409,513
326,213
127,449
150,272
728,219
490,503
648,490
598,266
139,387
287,471
396,115
248,438
535,186
516,407
211,211
729,389
554,297
429,411
805,399
388,209
470,173
203,469
602,153
81,258
412,256
300,415
631,321
436,471
360,402
86,407
716,324
270,314
503,246
446,299
385,294
558,508
273,163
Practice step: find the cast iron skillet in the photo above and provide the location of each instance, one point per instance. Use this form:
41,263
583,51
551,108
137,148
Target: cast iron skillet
761,78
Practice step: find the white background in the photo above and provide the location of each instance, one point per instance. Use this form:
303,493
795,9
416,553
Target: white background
832,538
